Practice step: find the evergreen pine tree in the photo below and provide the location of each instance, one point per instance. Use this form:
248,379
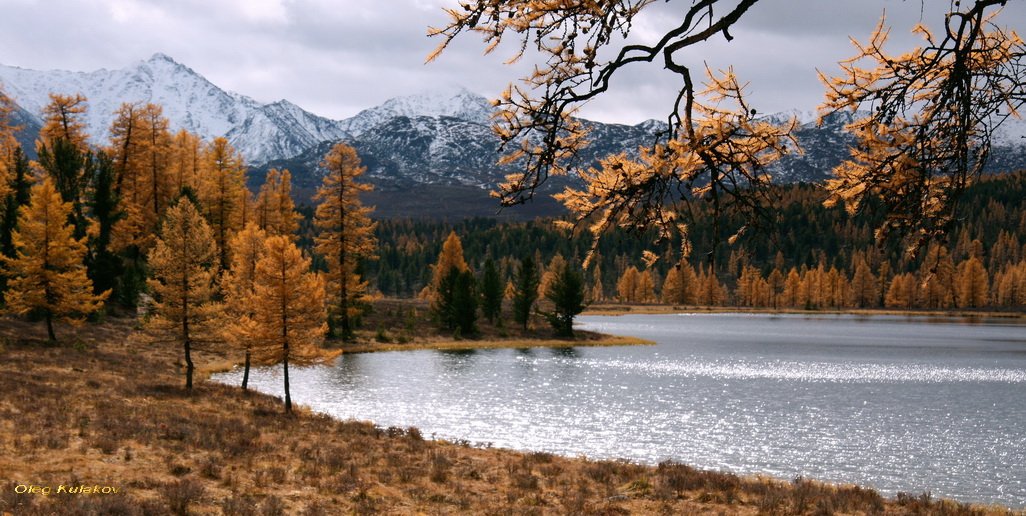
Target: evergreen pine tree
105,267
65,164
464,302
566,292
18,195
526,291
491,292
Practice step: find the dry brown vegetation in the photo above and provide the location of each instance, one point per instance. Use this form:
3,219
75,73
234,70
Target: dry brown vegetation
104,409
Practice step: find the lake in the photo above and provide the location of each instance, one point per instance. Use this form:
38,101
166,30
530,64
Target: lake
896,403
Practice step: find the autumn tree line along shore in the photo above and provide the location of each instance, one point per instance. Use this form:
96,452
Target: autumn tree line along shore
117,200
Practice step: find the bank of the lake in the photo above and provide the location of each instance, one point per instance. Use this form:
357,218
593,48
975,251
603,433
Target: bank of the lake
581,339
655,309
105,409
902,403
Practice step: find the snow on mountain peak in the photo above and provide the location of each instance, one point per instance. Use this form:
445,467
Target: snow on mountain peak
804,117
445,101
160,56
190,101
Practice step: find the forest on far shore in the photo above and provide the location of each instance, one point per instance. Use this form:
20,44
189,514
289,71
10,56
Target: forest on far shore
806,256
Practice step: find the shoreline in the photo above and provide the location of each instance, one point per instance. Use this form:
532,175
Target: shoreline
219,448
616,309
592,339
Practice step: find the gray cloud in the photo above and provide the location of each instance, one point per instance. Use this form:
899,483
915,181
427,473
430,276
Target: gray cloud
335,57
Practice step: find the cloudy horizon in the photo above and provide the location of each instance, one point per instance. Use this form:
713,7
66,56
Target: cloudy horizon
336,58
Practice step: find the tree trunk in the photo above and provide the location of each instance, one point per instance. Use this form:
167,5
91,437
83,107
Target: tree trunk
288,397
49,327
245,375
188,365
347,332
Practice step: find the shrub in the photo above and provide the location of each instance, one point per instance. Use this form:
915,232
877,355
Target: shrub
180,494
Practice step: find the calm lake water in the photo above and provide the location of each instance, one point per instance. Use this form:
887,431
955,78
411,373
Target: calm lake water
897,403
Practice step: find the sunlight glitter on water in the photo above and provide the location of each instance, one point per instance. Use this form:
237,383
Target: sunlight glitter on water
817,371
897,405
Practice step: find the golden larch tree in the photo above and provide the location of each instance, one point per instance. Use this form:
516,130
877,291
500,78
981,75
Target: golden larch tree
863,286
792,290
289,316
902,292
937,289
1009,285
183,265
627,285
185,160
555,268
141,149
923,119
645,290
671,286
62,119
838,288
972,284
265,214
223,193
48,272
711,292
156,155
687,285
346,233
747,292
247,248
126,150
883,281
8,143
510,291
450,256
275,210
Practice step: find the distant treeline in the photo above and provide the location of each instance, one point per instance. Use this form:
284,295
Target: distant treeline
802,255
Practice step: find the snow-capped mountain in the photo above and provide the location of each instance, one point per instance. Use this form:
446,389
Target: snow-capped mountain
439,138
28,127
453,102
260,131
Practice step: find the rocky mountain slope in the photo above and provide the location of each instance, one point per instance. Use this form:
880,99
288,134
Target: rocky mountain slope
261,131
416,147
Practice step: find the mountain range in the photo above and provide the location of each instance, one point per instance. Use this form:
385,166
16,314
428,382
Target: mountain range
431,153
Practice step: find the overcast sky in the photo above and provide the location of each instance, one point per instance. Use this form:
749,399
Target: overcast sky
336,57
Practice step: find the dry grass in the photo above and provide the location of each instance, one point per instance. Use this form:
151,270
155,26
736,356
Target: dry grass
106,410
